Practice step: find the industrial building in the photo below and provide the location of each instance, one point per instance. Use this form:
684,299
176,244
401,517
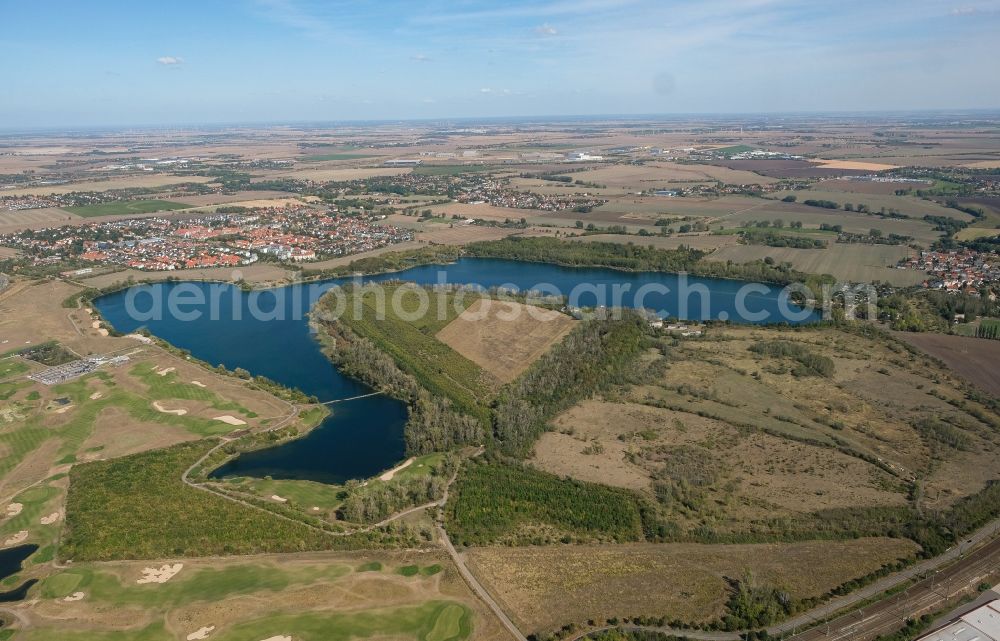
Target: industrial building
981,624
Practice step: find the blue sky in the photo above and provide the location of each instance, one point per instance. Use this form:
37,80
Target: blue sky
73,63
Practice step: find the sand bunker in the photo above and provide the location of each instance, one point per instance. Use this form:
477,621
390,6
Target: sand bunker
95,396
198,384
160,575
160,408
230,420
51,518
280,637
17,538
103,332
166,370
200,633
95,324
76,596
391,473
64,409
14,509
279,499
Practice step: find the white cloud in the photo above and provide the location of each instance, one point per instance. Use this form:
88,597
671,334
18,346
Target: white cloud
546,30
170,60
485,90
420,57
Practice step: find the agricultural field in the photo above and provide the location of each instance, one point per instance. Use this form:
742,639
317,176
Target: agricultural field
846,262
124,208
547,587
503,337
14,220
974,359
662,175
312,597
702,242
104,184
919,230
907,205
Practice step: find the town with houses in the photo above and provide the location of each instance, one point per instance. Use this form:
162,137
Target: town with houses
216,240
956,270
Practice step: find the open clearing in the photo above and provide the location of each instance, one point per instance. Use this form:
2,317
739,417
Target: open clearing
546,587
731,440
504,338
846,262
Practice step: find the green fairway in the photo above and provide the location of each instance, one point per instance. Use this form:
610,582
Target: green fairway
202,584
124,208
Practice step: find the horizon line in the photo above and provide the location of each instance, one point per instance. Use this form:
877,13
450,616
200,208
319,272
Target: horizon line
550,118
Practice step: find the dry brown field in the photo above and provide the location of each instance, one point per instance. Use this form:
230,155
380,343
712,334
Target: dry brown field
846,262
223,199
504,338
547,587
29,218
866,187
258,274
754,439
124,182
974,359
661,174
343,174
704,242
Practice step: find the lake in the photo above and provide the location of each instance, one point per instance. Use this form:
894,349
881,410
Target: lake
266,332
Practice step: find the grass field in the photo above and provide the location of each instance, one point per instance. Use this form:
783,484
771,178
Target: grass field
137,507
846,262
125,208
314,597
544,588
411,343
504,338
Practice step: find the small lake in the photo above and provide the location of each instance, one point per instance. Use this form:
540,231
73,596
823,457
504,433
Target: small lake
266,332
11,562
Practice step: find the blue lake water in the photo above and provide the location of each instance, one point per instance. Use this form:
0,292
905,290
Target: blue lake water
11,561
267,333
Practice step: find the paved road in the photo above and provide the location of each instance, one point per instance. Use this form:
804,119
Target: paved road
477,587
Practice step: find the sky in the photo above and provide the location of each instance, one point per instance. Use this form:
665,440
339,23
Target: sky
127,63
